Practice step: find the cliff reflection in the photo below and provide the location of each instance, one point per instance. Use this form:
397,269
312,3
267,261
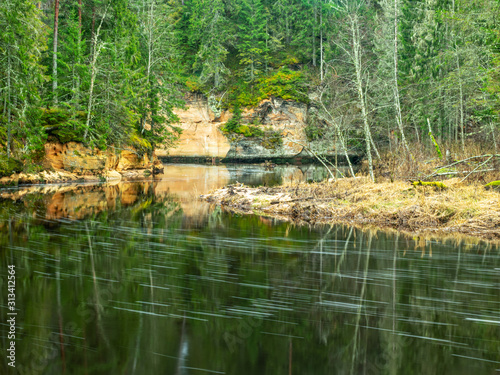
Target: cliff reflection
120,280
184,183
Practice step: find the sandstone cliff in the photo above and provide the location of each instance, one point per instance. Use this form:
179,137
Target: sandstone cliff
75,157
202,135
72,162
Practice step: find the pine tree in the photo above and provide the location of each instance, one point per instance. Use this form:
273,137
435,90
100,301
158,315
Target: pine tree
252,37
22,41
210,23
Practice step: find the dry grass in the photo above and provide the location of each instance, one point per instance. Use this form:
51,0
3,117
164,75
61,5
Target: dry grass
465,209
398,165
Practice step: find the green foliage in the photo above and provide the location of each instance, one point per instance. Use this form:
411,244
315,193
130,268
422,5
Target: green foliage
285,84
22,42
314,132
140,143
234,121
243,52
9,166
282,83
66,125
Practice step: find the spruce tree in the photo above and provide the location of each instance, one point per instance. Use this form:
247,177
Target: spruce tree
252,37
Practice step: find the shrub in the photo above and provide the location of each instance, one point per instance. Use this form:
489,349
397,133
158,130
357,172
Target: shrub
9,166
64,124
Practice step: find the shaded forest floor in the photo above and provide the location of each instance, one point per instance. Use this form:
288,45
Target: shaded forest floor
458,210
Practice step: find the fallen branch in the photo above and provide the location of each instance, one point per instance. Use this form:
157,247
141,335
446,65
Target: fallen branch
460,172
314,154
292,200
464,160
480,165
436,184
303,199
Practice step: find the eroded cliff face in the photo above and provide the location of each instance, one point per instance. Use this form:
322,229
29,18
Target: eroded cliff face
73,162
75,157
285,117
202,137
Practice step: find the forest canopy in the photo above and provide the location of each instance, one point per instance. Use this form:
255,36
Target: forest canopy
378,73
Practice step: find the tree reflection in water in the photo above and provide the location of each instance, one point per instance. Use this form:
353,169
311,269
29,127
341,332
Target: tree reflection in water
120,279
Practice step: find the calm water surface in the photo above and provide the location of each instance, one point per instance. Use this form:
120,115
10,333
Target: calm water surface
142,278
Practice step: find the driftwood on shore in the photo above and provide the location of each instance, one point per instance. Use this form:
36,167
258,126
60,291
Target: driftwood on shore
459,209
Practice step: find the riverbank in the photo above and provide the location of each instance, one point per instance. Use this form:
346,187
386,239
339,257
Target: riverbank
72,162
460,209
63,177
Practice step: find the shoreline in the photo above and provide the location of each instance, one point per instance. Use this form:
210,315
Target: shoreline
458,211
47,177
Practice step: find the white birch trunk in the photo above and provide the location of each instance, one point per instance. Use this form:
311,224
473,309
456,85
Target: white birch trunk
96,49
356,46
397,102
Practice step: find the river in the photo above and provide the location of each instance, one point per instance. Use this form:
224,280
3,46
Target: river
142,277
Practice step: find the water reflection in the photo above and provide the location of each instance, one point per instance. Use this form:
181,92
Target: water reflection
140,278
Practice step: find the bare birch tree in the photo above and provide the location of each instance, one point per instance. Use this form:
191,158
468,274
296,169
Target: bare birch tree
353,49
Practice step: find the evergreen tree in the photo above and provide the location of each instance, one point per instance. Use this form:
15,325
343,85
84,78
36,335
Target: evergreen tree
159,59
252,37
209,23
22,41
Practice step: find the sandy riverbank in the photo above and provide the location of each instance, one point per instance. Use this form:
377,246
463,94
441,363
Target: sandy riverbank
466,210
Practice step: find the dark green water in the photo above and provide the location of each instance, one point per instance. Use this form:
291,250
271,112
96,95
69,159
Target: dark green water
141,278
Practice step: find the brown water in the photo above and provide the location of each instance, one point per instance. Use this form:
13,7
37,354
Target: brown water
143,278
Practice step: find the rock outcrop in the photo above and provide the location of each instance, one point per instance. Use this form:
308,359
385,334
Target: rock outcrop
73,162
284,117
202,136
76,158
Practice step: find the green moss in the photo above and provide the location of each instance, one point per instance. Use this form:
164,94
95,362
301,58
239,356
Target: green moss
438,150
234,121
282,83
272,140
436,184
493,183
139,143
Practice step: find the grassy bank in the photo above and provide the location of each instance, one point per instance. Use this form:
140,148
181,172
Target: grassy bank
459,209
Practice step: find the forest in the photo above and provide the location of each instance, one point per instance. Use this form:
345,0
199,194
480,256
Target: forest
384,76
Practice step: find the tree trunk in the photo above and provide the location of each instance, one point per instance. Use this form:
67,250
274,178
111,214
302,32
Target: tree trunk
356,46
54,54
339,136
96,49
80,16
314,36
397,102
321,43
460,86
460,89
93,72
93,22
79,52
150,41
9,104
